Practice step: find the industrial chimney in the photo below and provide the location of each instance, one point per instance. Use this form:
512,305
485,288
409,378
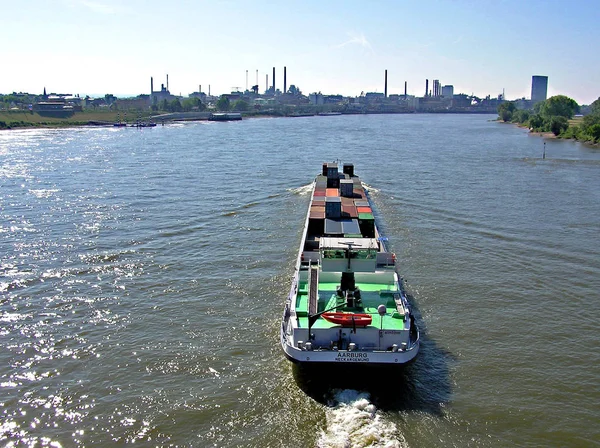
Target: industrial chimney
273,80
405,86
151,85
284,80
167,82
426,87
385,87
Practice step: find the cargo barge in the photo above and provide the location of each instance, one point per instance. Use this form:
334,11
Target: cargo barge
346,303
225,117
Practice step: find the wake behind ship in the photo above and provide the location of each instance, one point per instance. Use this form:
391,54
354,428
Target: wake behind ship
346,303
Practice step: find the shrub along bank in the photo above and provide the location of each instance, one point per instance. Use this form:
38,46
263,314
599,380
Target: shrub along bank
556,115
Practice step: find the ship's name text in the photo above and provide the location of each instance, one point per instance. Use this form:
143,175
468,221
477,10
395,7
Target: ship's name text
352,357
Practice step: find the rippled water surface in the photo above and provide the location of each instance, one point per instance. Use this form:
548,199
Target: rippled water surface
143,273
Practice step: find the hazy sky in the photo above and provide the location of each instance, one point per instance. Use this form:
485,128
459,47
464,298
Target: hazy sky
480,47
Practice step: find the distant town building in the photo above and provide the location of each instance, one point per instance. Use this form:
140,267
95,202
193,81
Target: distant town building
448,91
333,99
374,96
539,88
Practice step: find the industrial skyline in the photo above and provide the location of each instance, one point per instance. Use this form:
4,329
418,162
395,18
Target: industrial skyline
481,48
539,88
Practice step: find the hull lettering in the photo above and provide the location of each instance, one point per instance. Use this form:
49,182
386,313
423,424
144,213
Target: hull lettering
352,357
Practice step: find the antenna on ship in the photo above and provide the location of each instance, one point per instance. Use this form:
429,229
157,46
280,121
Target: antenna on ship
349,252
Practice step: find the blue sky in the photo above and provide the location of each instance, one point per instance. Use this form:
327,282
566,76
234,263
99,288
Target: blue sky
480,47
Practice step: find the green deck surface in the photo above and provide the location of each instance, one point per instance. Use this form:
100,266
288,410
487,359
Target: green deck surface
364,287
373,295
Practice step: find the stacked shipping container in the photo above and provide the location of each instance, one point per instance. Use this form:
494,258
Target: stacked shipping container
340,197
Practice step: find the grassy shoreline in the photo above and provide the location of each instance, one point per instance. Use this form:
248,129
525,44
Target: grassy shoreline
26,119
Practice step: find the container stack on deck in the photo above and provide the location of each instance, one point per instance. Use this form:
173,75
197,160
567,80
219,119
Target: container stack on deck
339,206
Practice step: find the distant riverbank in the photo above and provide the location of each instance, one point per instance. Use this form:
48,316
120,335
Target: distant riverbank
27,119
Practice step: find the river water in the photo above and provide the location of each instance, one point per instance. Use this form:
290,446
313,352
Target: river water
143,275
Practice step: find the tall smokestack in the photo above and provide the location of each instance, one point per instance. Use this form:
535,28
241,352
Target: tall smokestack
256,77
246,79
385,86
426,87
273,80
284,80
151,85
267,83
405,86
209,90
167,81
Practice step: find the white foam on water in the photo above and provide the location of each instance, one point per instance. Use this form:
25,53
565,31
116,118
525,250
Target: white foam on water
370,188
353,421
302,191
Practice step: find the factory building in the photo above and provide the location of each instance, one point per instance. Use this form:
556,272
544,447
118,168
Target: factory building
316,99
162,94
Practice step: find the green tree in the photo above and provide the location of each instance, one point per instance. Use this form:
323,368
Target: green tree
558,124
590,120
521,116
559,105
594,132
223,103
240,106
163,104
175,105
595,106
536,122
188,104
506,110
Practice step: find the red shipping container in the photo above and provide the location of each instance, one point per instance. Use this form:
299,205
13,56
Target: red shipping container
349,211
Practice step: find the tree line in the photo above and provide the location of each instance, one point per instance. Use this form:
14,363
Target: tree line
553,115
189,104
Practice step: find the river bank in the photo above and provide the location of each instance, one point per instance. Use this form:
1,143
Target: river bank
550,135
107,118
29,119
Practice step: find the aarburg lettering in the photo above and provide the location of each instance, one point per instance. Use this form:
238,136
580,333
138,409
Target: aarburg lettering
352,357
